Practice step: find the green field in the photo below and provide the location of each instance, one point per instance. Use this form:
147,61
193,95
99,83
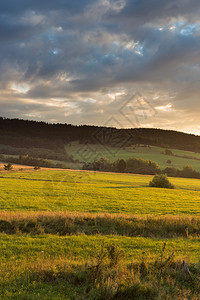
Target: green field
97,192
91,235
91,152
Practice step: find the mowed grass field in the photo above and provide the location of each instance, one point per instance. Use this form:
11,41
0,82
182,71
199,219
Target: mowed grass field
91,152
91,235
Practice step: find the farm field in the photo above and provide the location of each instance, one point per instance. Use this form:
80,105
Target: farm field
91,152
91,235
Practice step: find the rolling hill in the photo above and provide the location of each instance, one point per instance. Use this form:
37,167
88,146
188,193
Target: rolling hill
73,145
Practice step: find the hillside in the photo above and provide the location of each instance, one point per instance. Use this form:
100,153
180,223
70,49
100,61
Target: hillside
66,146
91,152
28,134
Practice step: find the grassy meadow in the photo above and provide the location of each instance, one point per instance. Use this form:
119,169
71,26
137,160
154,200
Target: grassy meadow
96,192
91,235
94,151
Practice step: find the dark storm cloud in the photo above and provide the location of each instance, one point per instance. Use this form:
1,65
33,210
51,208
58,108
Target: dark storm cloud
142,11
16,7
78,61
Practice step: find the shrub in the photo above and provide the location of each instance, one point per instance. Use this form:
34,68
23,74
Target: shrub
114,254
37,168
8,167
161,181
168,152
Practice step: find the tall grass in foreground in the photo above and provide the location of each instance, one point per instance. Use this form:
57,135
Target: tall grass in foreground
106,276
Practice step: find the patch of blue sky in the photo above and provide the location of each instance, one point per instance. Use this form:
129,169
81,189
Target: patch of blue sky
54,51
190,29
183,28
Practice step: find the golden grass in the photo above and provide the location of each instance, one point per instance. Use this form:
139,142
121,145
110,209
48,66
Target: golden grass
67,223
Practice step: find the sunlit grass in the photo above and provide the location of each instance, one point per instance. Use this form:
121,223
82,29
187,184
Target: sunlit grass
53,225
61,267
70,223
97,192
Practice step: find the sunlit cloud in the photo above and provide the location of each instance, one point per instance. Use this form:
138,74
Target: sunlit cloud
167,107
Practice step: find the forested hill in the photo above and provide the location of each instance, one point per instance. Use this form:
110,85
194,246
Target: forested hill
26,134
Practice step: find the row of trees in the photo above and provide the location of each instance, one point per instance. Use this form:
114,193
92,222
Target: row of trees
139,166
186,172
36,152
131,165
31,161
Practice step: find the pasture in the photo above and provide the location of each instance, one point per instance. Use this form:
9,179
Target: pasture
96,192
88,153
91,235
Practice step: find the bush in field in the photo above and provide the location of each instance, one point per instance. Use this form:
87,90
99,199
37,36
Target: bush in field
37,168
168,152
161,181
8,167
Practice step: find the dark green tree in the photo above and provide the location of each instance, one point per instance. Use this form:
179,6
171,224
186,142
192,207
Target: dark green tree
121,165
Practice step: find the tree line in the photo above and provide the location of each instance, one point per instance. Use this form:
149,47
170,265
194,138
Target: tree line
27,134
31,161
36,152
139,166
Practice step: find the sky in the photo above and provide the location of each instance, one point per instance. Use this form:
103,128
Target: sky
126,63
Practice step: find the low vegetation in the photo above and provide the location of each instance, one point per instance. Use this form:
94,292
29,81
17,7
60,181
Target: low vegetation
8,167
161,181
97,267
63,223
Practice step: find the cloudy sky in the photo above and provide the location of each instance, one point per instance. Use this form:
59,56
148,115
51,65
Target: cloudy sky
126,63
